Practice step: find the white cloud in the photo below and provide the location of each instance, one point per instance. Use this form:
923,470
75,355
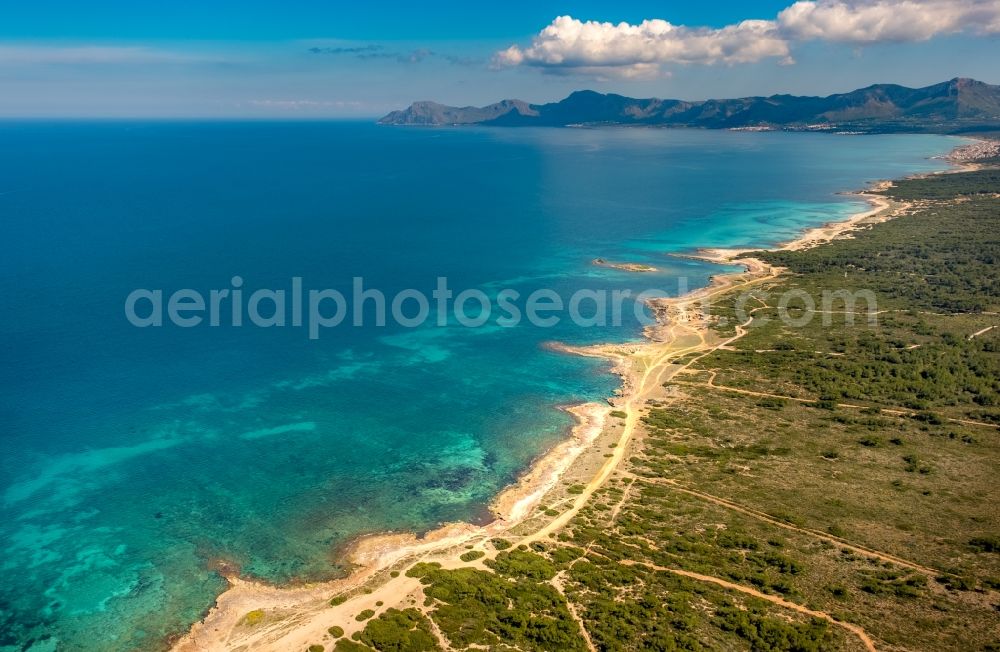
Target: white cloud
591,47
888,20
640,49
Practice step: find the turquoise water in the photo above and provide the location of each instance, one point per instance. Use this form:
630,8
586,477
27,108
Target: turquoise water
136,461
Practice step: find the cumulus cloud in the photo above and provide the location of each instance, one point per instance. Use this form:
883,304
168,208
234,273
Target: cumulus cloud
888,20
638,50
569,45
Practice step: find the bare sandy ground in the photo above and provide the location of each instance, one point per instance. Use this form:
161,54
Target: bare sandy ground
292,618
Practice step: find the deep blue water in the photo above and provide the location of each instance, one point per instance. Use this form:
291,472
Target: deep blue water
137,459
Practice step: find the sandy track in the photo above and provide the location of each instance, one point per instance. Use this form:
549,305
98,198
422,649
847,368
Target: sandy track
817,534
710,384
773,599
656,368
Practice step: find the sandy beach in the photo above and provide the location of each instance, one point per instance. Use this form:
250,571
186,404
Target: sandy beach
255,616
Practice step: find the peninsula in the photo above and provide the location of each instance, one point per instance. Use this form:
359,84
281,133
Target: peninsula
956,106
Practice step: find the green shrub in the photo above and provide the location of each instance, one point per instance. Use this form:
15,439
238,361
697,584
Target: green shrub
985,544
498,611
522,564
956,582
471,555
838,591
772,403
344,645
396,630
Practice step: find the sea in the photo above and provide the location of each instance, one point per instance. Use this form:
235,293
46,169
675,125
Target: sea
141,456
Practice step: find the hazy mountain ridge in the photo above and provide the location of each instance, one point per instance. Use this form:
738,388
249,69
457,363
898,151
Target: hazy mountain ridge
955,105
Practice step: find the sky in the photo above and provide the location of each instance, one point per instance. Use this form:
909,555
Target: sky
312,59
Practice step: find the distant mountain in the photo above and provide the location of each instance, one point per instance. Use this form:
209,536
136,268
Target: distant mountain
432,113
949,107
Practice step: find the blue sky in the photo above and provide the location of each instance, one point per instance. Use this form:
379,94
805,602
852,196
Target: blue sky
254,20
259,58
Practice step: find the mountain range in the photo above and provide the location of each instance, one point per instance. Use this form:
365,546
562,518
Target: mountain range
955,106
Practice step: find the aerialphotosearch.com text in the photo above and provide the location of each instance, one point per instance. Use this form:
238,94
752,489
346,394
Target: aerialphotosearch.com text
316,310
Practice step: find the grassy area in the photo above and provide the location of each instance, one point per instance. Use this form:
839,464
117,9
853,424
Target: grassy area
810,481
943,258
896,485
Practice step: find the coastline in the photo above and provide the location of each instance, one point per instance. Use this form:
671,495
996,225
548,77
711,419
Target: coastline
305,611
298,616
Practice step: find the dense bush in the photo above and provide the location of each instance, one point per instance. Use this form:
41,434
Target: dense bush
400,631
